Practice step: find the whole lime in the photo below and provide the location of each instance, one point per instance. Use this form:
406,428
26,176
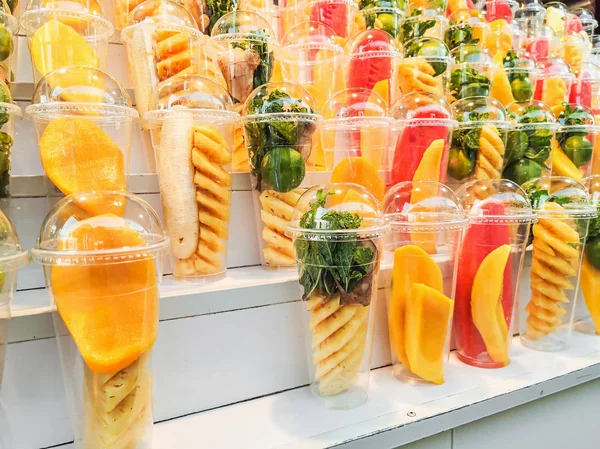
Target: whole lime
523,170
282,169
6,43
579,149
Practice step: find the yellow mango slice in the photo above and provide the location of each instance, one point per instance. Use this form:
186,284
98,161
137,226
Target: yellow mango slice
590,286
428,314
361,171
562,165
411,265
501,90
486,304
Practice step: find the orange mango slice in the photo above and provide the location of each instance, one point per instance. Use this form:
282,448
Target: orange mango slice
562,165
486,304
412,265
111,310
428,314
361,171
590,286
501,90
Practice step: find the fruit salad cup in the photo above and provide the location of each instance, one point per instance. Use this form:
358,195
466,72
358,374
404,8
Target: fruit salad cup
581,19
424,125
587,310
467,26
564,211
479,143
13,257
103,272
339,292
192,126
426,224
9,26
573,147
83,121
575,48
553,83
556,17
529,142
65,33
339,15
244,49
423,23
585,89
541,42
489,270
387,18
515,79
530,15
356,139
471,72
162,41
279,121
9,113
424,67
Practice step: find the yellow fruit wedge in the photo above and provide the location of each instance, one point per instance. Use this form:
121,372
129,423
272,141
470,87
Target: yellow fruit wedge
501,90
590,286
562,165
361,171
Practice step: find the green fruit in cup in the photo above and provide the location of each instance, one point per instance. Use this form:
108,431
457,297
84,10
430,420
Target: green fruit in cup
6,43
282,169
592,251
522,89
523,170
459,164
579,149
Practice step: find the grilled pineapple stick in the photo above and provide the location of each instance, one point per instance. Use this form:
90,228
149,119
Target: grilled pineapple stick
553,264
118,407
339,342
490,157
143,67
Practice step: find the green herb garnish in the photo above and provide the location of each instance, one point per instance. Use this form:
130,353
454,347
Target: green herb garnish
411,29
218,8
459,34
467,82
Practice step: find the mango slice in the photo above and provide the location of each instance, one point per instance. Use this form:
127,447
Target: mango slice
486,303
562,165
111,310
428,315
361,171
411,265
590,286
501,90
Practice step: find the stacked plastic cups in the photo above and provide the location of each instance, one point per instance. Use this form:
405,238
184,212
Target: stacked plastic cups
553,83
515,79
471,72
425,19
384,15
424,67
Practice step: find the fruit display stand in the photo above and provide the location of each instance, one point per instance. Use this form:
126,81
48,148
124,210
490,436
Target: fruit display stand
229,366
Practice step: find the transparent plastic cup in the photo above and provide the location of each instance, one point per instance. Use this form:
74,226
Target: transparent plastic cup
427,224
356,139
435,6
295,12
585,89
587,309
471,73
423,23
192,125
515,79
581,19
385,18
9,113
576,137
478,144
423,125
339,15
529,141
83,121
279,121
65,33
9,27
564,211
162,41
467,26
575,48
494,10
530,16
556,16
12,258
339,293
500,39
371,62
268,10
541,42
424,67
553,83
102,273
489,270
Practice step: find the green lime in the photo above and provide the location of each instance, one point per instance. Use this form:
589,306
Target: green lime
523,170
522,89
387,22
592,251
6,43
459,164
283,169
579,149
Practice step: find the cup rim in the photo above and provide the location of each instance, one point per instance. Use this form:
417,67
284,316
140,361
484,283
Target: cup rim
103,28
55,109
126,33
15,260
159,115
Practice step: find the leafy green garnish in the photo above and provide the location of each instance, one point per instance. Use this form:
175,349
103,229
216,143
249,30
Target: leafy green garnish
411,29
262,74
459,34
217,9
468,82
339,266
517,143
538,196
574,116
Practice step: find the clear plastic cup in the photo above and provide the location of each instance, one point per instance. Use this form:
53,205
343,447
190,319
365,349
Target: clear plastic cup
471,72
162,41
427,223
530,16
500,39
575,48
489,270
499,10
529,141
576,137
541,42
456,5
585,89
564,211
386,18
102,273
467,26
356,139
423,23
192,125
9,27
294,13
339,293
515,79
553,83
556,16
581,19
339,15
423,125
83,121
436,6
424,67
9,113
12,258
479,143
279,121
65,33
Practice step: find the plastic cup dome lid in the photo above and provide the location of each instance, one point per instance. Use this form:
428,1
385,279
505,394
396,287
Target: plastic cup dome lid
12,255
371,43
313,35
124,218
478,110
427,7
576,117
355,107
423,206
489,7
520,59
553,68
592,183
530,113
422,109
467,17
243,25
588,21
88,11
9,22
339,211
280,100
427,47
191,94
557,196
495,201
165,12
471,53
587,71
79,90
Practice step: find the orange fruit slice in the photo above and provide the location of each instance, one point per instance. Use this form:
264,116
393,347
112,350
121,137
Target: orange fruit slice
78,156
111,310
361,171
